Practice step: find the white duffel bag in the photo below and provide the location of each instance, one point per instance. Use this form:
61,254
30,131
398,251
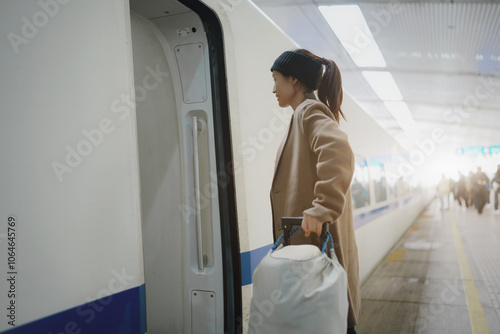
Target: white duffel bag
299,289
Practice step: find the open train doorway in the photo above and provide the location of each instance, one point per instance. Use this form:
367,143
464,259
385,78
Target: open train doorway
190,243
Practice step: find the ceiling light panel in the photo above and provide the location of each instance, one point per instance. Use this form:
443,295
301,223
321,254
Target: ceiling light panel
398,109
383,85
349,24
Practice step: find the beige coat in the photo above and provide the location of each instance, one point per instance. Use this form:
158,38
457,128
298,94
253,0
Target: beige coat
313,173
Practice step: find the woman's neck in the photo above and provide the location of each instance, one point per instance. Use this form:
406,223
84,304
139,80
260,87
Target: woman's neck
297,100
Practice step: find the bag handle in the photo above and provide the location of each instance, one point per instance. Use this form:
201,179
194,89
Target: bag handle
287,224
288,230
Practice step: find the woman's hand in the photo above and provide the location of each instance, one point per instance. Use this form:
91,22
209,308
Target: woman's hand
311,224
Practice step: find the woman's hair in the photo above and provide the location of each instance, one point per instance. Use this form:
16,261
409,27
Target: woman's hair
328,84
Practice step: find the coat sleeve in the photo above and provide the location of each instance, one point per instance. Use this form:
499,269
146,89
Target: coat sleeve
334,165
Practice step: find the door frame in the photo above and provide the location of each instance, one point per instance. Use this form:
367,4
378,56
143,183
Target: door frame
233,321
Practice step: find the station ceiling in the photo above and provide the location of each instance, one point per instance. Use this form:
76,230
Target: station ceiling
443,55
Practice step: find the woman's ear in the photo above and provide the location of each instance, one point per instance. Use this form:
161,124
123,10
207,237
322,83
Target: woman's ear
293,80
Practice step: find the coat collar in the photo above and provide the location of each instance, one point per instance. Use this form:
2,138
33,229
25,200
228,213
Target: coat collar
282,145
300,107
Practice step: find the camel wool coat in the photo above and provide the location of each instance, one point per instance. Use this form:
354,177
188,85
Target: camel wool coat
313,173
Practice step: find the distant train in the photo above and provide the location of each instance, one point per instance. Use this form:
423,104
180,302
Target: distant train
138,142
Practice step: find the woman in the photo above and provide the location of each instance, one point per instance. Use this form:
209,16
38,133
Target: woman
315,163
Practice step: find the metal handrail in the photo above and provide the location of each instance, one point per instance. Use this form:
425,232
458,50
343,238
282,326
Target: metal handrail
197,191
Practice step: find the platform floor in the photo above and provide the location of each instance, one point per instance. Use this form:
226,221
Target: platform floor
443,276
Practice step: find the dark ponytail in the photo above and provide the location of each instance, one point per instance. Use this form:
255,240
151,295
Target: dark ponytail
328,84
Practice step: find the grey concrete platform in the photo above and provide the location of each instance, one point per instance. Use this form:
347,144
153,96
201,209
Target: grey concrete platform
436,280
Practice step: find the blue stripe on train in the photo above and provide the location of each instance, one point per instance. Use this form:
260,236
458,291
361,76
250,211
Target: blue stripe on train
250,260
121,313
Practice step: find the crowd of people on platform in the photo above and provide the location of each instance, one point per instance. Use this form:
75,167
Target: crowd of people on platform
473,190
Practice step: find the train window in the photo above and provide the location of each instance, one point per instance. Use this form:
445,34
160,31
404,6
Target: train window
402,187
391,177
360,184
377,173
397,184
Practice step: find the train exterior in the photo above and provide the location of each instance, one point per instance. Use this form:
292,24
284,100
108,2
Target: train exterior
138,142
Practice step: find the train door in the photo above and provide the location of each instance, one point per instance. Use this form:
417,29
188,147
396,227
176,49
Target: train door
189,241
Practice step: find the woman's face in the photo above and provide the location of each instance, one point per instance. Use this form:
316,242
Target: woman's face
283,89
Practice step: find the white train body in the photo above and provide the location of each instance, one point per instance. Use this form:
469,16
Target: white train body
138,142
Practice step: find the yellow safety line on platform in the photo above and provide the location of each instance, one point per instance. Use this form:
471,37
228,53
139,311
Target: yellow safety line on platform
476,312
396,255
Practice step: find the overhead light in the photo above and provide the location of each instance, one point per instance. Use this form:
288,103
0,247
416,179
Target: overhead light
383,85
400,111
409,126
349,24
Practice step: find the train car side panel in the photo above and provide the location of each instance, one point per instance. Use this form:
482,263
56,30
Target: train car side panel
69,166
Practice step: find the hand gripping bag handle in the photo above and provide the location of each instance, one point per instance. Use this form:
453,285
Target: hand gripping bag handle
288,224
